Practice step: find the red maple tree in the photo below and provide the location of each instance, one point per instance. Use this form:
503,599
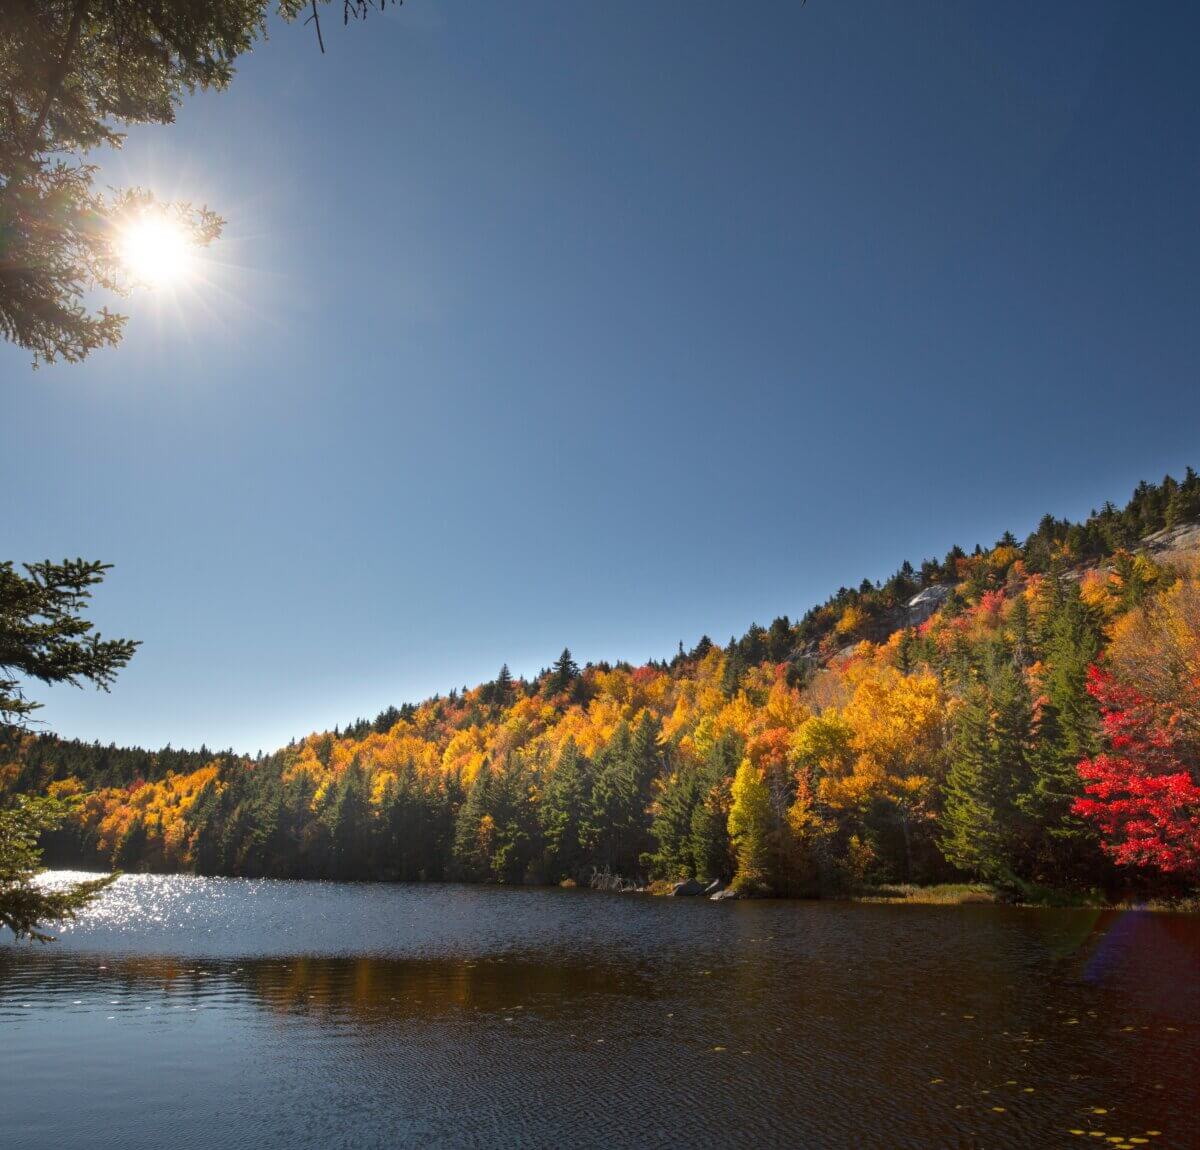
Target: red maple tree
1142,795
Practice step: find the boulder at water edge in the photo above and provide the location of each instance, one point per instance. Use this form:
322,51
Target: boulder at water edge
690,887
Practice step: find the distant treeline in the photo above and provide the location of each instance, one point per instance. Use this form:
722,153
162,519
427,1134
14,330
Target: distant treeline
1035,723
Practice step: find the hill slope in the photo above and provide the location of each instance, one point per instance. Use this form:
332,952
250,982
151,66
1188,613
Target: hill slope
1026,714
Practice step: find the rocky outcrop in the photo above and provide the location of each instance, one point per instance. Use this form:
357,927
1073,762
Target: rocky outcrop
688,888
1183,539
722,895
926,603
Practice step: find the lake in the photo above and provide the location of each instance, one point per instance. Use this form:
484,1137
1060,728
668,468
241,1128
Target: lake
187,1012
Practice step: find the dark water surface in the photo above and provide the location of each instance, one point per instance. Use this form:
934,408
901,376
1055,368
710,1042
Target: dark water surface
184,1012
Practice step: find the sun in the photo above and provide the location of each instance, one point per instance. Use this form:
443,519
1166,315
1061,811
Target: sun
156,250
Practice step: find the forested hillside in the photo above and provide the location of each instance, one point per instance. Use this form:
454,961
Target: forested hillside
1026,714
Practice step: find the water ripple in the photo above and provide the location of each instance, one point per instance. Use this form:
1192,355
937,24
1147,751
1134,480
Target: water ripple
224,1013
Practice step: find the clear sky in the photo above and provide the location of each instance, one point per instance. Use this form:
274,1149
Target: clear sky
610,325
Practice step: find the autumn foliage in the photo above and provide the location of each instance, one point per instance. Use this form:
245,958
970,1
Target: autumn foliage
1141,794
1143,791
1028,714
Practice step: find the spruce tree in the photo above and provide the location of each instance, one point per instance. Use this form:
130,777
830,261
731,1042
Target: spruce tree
1019,630
671,828
1066,731
616,807
45,636
710,843
504,683
516,837
565,814
349,820
735,669
468,849
562,674
972,833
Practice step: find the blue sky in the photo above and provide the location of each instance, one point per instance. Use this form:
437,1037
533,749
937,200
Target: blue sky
611,325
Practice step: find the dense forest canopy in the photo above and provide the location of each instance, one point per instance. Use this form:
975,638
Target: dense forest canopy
1026,714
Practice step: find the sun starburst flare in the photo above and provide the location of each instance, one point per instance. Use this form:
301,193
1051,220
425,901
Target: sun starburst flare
156,250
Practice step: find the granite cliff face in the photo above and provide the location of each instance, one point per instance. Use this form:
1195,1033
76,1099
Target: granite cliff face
1179,541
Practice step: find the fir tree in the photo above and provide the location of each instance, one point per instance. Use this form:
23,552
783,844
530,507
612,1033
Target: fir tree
1065,732
972,837
349,819
504,684
671,828
565,810
562,674
469,850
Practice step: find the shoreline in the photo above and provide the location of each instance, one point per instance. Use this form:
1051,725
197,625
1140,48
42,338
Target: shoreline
888,894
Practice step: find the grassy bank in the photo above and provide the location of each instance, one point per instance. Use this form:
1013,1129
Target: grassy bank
963,894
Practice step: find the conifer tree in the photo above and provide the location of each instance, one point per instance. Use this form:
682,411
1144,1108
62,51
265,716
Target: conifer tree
735,669
349,820
564,813
469,852
515,834
710,816
44,636
625,769
1065,732
1022,639
671,828
977,794
24,905
562,674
